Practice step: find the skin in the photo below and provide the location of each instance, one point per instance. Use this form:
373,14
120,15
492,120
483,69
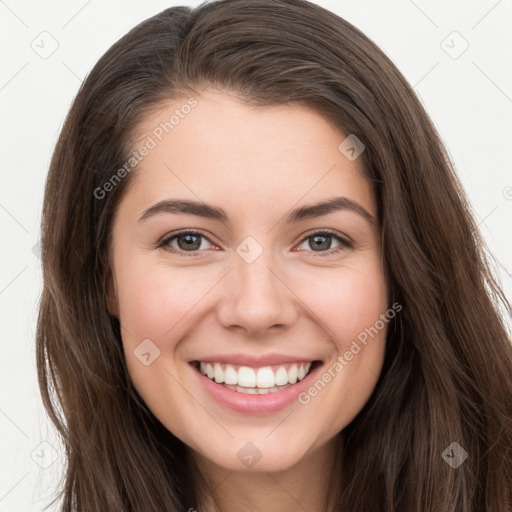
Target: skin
256,164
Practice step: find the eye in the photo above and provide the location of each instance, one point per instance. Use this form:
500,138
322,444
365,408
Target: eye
190,243
321,241
187,242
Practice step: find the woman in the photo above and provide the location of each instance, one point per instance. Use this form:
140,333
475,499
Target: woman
263,285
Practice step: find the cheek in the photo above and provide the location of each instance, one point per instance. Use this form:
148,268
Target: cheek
155,304
349,303
346,300
154,297
158,302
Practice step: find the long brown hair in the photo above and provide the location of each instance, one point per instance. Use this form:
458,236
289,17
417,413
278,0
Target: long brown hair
447,374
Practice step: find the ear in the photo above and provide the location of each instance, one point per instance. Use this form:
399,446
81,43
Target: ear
111,294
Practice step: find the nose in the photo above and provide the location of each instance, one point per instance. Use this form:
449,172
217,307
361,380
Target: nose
256,298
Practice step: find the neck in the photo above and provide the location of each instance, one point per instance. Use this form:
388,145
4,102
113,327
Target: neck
304,486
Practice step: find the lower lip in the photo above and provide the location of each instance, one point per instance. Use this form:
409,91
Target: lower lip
255,404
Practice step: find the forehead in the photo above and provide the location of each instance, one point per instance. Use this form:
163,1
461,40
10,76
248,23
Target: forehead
219,149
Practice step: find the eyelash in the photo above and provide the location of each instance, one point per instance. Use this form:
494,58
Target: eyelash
164,243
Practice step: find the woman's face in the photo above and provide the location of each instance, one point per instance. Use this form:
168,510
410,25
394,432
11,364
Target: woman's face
261,286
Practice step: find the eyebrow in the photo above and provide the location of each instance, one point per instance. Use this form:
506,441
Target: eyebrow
208,211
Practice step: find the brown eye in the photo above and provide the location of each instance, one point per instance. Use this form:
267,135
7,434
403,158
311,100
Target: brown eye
189,242
184,242
322,241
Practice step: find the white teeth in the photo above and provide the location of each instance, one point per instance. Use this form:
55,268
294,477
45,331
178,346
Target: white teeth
218,373
263,380
230,375
281,376
250,391
246,377
292,374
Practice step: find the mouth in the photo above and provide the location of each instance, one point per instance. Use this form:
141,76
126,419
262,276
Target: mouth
255,384
252,380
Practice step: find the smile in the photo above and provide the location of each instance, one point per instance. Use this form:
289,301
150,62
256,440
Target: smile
256,385
263,380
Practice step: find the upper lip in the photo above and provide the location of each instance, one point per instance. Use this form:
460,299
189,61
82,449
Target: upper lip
254,361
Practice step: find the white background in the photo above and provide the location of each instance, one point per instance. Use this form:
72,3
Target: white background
469,99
